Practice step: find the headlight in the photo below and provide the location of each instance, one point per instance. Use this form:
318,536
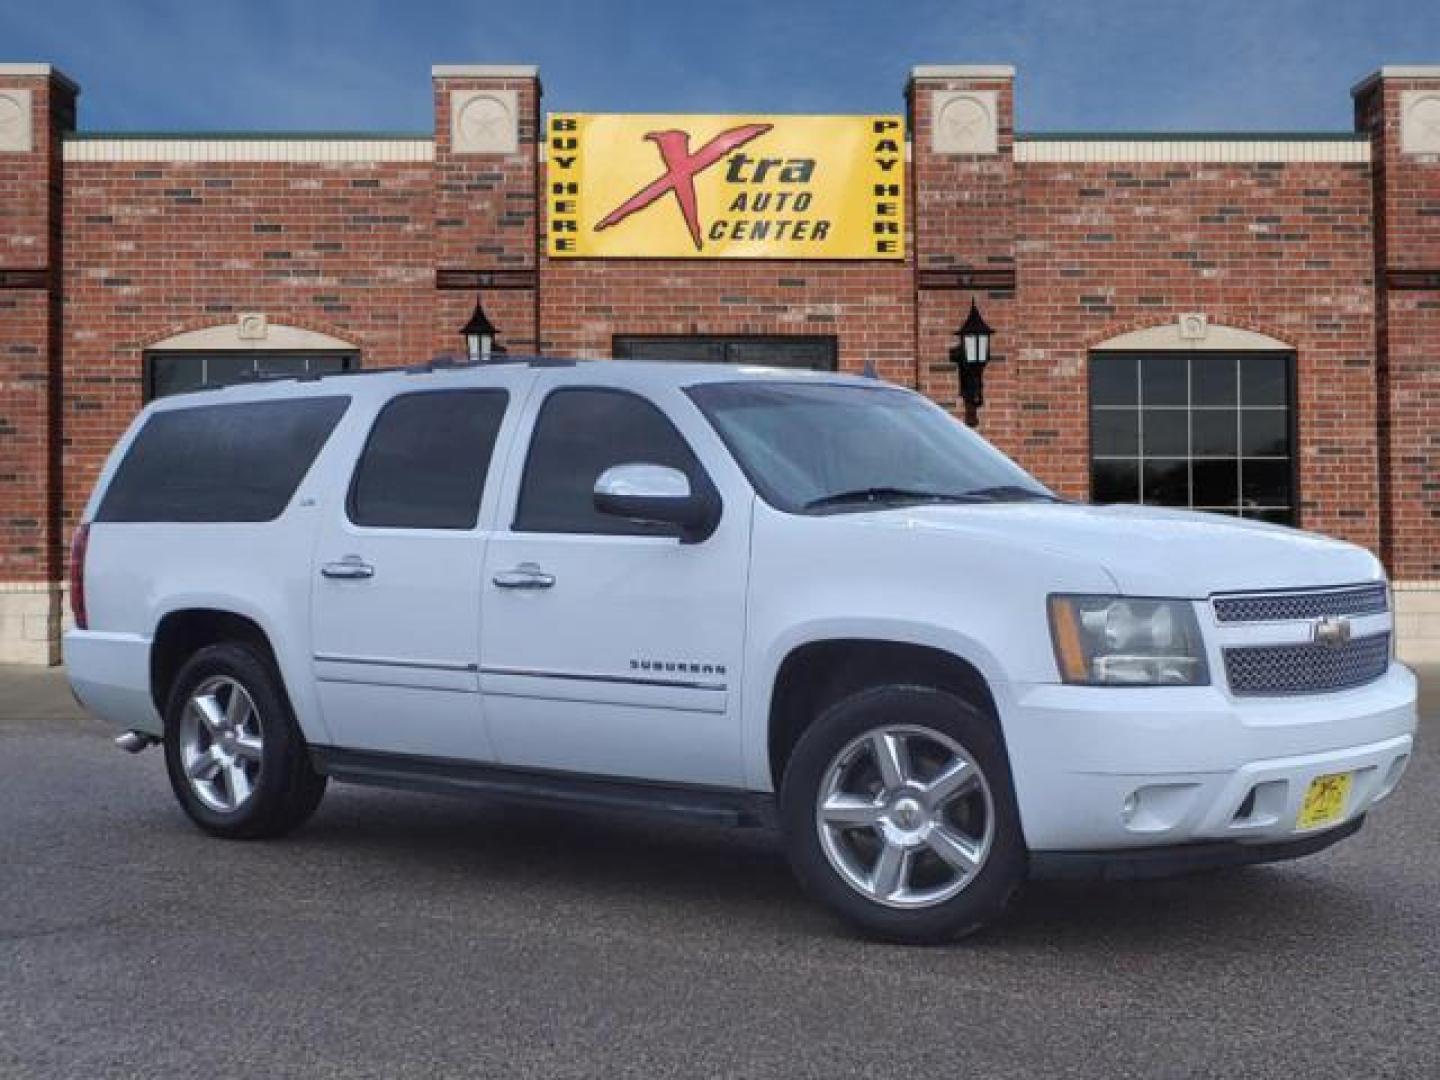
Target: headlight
1119,641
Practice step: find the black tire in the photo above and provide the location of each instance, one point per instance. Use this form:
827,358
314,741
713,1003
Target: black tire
982,898
287,789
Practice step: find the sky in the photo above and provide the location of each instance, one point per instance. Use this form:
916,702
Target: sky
363,65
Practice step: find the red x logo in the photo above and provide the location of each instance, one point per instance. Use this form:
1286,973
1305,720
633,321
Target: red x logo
681,168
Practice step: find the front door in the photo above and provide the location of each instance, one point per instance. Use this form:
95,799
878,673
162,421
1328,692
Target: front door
396,580
610,647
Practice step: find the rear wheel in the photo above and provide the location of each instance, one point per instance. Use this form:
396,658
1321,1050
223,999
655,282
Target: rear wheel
237,762
899,814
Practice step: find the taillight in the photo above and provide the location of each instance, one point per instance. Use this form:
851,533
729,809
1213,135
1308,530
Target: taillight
78,544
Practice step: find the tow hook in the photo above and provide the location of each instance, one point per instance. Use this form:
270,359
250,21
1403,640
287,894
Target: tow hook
135,741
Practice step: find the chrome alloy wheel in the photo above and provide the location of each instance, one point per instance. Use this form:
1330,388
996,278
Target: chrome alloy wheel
221,744
905,816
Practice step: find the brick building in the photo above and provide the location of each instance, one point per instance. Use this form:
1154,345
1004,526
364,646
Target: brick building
1236,322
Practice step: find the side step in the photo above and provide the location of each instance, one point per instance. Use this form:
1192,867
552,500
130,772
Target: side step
723,807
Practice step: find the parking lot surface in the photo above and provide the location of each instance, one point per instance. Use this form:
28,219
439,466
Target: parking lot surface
405,935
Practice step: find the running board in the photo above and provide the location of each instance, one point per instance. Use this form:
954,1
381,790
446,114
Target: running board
723,807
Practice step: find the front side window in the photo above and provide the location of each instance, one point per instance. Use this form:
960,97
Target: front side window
425,462
829,447
579,434
230,462
1205,431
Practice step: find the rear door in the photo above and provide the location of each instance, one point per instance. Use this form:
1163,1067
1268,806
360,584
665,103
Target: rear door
396,575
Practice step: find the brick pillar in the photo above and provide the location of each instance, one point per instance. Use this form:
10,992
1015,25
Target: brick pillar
1400,108
487,129
963,209
37,105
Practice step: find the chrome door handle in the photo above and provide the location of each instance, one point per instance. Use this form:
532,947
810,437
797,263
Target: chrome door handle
351,567
527,575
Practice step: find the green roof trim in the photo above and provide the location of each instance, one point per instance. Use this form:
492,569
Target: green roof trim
251,136
1191,136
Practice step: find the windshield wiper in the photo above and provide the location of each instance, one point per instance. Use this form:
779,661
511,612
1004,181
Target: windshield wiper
862,496
1008,492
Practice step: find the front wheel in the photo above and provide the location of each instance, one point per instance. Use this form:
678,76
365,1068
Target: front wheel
899,814
237,762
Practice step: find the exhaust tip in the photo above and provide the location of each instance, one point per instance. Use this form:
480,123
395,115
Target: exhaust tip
135,741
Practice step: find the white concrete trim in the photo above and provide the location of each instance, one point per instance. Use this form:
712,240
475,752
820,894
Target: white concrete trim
39,71
484,121
31,618
485,71
227,338
1417,621
1199,151
1167,336
1397,71
17,124
221,149
962,71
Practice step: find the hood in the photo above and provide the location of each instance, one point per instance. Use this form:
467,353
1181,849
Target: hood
1150,551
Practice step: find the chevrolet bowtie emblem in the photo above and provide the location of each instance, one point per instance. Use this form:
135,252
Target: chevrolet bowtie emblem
1332,630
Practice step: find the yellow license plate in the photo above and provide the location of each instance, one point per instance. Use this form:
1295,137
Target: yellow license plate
1325,800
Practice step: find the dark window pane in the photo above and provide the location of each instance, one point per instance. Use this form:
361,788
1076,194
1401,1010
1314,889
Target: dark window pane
684,350
1115,481
1275,517
1265,483
1212,381
797,351
239,462
295,364
1163,381
1213,433
226,369
1165,433
1217,483
1264,380
1113,380
579,434
1265,433
1167,482
777,352
425,462
175,375
1115,432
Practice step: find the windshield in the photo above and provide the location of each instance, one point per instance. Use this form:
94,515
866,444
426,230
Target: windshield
828,447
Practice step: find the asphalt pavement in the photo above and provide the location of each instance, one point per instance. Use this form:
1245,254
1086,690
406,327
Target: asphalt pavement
407,935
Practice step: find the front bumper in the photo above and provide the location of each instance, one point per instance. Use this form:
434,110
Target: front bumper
1136,863
1119,769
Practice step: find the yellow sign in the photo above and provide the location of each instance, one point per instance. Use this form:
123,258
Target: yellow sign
725,187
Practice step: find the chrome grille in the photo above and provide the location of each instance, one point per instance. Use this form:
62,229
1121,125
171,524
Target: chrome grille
1307,668
1279,607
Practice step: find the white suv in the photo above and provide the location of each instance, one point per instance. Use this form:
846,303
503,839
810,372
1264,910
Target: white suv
734,596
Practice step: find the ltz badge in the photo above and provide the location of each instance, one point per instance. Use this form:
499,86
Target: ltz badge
793,187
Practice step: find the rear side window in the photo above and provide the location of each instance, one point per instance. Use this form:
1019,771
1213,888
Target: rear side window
578,435
424,465
231,462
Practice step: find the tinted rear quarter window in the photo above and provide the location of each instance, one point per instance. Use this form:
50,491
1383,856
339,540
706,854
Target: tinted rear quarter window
232,462
580,433
425,462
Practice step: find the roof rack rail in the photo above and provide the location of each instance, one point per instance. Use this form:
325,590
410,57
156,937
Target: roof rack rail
438,363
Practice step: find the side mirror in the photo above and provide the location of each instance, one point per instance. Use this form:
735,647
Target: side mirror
657,495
